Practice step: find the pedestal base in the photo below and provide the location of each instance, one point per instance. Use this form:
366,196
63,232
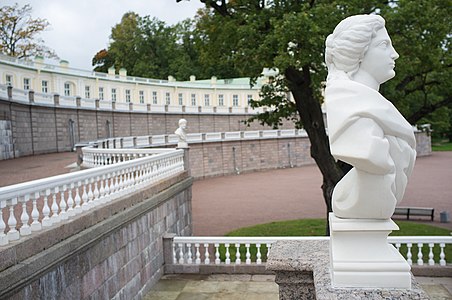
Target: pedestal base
361,256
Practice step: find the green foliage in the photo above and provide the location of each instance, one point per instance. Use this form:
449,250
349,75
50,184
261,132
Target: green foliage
19,33
421,34
147,47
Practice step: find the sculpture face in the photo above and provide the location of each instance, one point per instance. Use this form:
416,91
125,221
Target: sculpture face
379,60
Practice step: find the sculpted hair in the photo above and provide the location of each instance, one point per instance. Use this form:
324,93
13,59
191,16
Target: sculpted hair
348,43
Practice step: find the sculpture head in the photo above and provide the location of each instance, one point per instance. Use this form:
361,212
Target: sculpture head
360,48
183,123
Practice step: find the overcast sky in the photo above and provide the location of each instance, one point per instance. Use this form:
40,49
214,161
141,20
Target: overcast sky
80,28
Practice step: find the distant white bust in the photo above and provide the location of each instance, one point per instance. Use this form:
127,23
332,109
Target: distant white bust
182,133
366,130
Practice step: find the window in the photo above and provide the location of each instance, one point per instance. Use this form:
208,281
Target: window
9,80
113,95
26,83
67,89
154,97
249,98
87,92
181,99
221,100
193,99
101,93
167,99
206,100
127,96
235,100
141,93
44,86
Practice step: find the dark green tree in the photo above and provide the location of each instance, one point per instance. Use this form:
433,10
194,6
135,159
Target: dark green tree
290,35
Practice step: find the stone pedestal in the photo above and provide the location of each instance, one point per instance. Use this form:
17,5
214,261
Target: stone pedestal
361,256
302,271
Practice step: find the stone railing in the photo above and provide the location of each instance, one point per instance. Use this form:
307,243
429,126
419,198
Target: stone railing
33,206
51,99
94,157
172,139
255,250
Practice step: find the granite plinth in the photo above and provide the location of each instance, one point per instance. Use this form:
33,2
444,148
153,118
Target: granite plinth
303,271
362,257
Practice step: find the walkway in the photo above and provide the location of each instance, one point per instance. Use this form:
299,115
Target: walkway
223,204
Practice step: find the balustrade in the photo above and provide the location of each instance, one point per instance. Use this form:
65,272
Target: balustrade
255,250
28,207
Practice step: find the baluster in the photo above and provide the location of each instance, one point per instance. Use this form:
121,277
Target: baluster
431,261
398,246
12,234
89,183
269,246
3,236
35,225
78,200
25,229
408,254
237,254
420,261
63,203
228,255
258,254
442,255
85,205
121,182
198,254
206,254
70,202
189,254
55,208
217,254
174,253
114,186
46,221
181,253
96,192
108,185
248,254
102,193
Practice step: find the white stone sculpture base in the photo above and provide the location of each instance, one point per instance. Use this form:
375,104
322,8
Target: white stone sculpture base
362,257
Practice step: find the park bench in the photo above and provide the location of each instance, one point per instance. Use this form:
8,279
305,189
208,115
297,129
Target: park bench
415,211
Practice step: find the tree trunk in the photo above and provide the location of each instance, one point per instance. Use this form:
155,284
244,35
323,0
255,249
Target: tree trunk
311,116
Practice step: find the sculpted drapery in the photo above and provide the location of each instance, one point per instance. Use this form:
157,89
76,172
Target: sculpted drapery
366,130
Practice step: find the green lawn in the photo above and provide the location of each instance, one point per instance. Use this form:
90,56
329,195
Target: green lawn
441,144
316,227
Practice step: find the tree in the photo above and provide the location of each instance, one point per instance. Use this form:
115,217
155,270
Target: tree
422,36
147,47
19,33
290,36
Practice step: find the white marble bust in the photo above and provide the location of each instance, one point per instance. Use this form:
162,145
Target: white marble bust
366,130
182,133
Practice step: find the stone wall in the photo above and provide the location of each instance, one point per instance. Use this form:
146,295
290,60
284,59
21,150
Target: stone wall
38,129
113,252
228,157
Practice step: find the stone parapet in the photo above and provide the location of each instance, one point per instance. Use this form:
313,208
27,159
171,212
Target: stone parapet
302,271
112,252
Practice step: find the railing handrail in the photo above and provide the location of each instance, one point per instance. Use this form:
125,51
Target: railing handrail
272,239
19,189
90,149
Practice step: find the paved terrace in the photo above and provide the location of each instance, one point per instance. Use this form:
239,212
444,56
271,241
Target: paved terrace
219,207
